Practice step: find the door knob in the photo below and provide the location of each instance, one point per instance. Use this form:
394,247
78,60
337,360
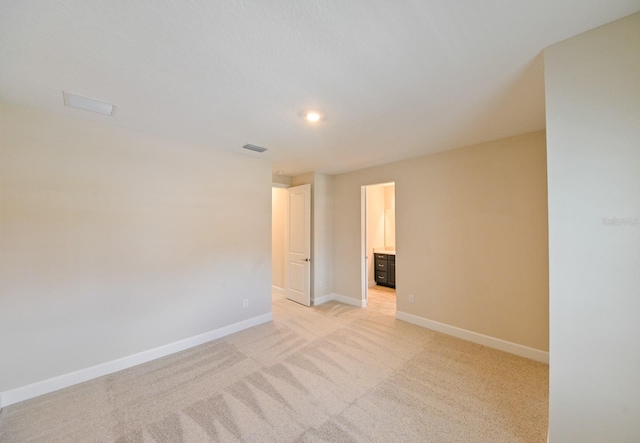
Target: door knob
306,259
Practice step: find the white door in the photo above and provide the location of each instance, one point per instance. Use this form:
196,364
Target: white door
298,245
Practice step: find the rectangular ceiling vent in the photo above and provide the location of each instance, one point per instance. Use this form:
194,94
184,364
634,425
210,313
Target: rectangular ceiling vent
88,104
254,148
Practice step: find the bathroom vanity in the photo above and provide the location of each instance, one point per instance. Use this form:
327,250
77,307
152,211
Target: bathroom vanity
385,266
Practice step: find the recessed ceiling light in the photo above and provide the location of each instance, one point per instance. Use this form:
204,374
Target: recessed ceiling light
312,116
88,104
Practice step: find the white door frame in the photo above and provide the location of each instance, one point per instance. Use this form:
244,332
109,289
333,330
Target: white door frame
364,247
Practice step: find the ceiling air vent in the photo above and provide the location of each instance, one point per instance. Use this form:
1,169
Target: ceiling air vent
254,148
88,104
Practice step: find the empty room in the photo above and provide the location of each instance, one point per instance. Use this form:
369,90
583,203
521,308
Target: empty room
279,221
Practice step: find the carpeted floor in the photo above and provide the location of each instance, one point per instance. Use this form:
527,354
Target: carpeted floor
330,373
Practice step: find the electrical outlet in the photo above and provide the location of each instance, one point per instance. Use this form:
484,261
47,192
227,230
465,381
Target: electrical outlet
410,298
245,303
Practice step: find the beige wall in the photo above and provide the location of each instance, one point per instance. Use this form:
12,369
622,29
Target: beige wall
113,242
323,234
593,121
322,231
471,237
279,211
283,180
390,217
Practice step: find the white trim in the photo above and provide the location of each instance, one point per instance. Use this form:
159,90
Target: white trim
364,260
492,342
73,378
317,301
341,299
279,185
277,290
350,301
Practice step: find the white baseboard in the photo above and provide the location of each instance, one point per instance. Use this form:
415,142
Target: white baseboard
340,298
317,301
491,342
73,378
277,290
350,301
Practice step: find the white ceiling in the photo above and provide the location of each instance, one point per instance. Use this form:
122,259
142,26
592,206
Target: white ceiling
394,79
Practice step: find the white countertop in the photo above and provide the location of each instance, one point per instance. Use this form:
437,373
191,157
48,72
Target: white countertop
384,251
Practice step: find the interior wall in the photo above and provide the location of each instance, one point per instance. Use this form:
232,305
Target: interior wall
321,229
113,242
593,123
375,226
471,237
323,234
281,179
390,217
278,214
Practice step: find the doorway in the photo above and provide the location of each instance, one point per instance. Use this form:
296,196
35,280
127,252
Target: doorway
291,242
378,246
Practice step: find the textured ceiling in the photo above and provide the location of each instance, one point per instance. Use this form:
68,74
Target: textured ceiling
394,79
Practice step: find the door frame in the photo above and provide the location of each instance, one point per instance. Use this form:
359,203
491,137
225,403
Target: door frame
364,247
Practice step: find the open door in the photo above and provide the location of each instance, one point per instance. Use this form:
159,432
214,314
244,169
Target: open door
298,245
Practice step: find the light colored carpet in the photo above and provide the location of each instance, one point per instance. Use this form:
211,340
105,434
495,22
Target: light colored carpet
330,373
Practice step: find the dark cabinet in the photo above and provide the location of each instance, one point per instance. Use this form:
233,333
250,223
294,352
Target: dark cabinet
385,269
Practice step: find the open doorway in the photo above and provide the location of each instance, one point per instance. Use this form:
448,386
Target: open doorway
379,246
